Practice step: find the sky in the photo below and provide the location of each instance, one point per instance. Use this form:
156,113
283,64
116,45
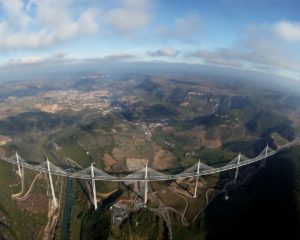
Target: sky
256,35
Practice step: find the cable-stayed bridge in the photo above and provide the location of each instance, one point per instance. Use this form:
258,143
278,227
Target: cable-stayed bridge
145,174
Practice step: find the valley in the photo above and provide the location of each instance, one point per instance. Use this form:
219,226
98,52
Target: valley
121,124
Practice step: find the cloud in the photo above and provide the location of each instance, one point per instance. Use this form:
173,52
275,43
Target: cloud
37,60
287,30
16,17
38,24
118,57
259,49
257,57
185,29
225,53
130,16
220,56
63,58
164,52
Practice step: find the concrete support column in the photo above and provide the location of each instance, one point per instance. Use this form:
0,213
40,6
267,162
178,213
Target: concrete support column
197,179
146,185
20,172
51,184
237,169
267,148
94,187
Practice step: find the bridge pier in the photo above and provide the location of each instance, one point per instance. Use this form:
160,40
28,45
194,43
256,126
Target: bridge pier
51,184
94,187
146,185
267,148
237,169
20,171
197,179
266,154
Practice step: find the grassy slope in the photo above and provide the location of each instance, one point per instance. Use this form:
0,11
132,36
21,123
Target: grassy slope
22,223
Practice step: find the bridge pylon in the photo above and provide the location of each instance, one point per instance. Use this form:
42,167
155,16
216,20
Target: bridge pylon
51,184
146,185
20,170
94,187
197,179
237,168
144,175
267,148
